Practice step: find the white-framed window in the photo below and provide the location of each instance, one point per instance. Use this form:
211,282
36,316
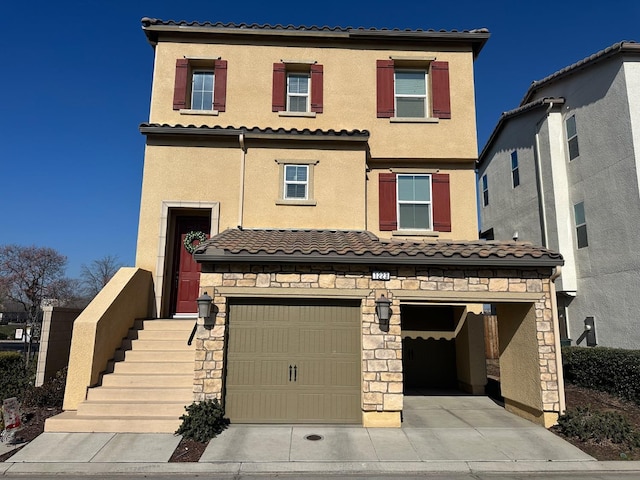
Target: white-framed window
581,225
572,137
410,93
296,182
202,89
485,191
414,202
515,170
298,84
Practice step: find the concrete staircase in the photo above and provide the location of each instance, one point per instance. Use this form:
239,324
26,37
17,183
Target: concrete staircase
147,385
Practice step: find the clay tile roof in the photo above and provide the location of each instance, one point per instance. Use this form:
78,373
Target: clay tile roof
253,132
356,246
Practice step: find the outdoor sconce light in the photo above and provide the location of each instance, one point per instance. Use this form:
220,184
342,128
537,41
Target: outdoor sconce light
383,309
590,331
204,305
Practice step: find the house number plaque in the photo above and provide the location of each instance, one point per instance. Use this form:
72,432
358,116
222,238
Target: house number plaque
380,276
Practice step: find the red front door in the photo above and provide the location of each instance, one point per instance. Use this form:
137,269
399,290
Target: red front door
186,270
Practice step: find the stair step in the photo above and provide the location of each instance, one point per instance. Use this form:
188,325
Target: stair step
141,380
71,422
177,336
185,368
131,409
102,394
176,325
156,356
165,345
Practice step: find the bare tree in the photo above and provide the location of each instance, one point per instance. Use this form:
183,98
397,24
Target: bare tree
97,274
30,274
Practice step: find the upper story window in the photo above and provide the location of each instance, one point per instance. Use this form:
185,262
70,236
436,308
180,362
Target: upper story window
296,179
411,93
298,92
413,90
515,170
297,88
581,225
202,90
200,86
572,137
296,182
414,202
485,191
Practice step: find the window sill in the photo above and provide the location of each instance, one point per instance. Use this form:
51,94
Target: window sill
414,120
308,203
297,114
415,233
189,111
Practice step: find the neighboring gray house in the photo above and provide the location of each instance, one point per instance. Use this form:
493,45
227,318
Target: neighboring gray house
563,170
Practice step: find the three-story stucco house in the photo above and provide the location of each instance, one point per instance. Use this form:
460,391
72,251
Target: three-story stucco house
308,178
563,170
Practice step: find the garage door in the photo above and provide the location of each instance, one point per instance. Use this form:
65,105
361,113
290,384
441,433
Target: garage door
293,361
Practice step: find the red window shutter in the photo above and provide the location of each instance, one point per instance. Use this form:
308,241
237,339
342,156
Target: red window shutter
220,88
384,77
387,201
279,79
180,87
440,89
316,88
441,202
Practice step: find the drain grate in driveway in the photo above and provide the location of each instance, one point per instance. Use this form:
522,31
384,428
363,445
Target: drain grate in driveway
314,437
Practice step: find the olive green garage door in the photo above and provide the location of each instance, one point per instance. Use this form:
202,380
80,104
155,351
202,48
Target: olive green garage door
293,361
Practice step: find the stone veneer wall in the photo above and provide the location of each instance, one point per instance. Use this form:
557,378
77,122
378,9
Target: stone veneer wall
381,350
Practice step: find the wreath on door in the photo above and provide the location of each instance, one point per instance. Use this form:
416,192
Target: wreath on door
190,237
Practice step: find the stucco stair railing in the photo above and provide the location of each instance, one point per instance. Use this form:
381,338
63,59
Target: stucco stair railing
147,386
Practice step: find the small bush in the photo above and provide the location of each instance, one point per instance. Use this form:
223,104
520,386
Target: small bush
14,378
203,421
49,394
612,370
586,425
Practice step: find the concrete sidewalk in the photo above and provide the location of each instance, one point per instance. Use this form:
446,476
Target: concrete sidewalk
439,434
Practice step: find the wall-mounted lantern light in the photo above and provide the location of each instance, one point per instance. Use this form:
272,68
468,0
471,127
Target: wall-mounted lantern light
590,331
383,308
204,305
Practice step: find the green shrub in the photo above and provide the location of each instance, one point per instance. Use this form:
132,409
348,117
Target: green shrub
49,394
203,421
14,378
611,370
584,424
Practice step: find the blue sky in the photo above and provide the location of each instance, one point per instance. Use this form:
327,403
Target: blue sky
76,80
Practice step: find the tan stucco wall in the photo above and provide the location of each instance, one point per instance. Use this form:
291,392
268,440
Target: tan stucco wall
464,219
55,341
212,174
100,328
470,357
349,95
519,354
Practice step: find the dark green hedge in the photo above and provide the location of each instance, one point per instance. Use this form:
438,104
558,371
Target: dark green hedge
610,370
13,378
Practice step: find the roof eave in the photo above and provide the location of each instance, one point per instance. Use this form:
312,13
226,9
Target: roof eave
544,102
477,38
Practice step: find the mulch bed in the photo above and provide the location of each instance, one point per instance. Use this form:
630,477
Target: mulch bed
595,400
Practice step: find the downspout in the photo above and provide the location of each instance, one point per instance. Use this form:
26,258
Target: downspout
556,328
543,209
243,160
